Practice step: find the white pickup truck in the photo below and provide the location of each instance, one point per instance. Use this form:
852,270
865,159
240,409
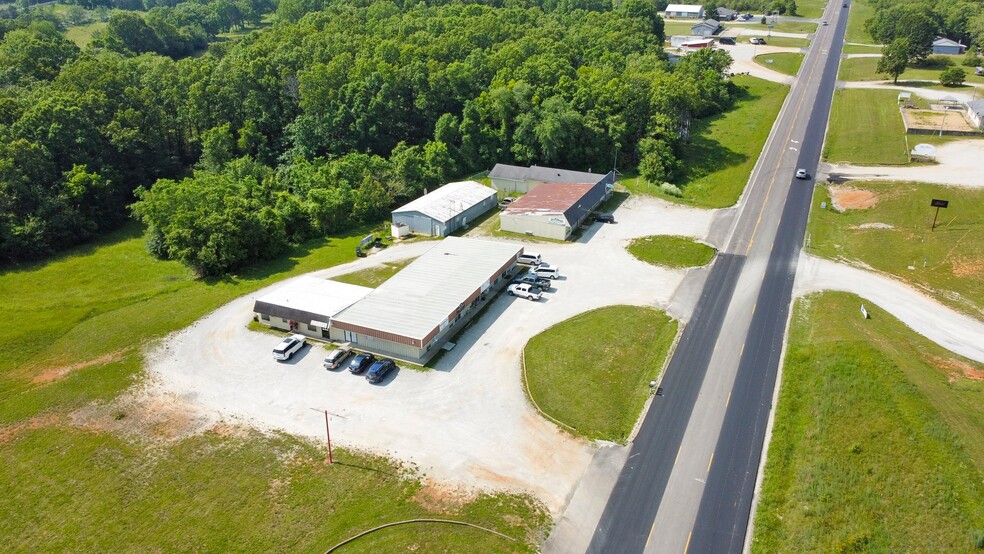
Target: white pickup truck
523,290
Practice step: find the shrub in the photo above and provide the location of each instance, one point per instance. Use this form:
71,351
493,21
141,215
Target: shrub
671,189
953,77
972,60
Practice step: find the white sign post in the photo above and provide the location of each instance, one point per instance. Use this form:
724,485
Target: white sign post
864,312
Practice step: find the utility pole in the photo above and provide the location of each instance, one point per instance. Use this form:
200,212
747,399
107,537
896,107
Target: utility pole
330,460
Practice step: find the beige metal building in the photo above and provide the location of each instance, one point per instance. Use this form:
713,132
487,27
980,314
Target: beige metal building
553,210
306,305
416,311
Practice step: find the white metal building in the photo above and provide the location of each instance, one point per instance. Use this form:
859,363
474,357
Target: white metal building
416,311
308,303
511,178
445,210
685,11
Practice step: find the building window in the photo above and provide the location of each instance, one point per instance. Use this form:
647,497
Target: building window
265,317
312,328
283,319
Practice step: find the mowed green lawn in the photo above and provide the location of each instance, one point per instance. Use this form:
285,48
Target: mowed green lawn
72,338
810,9
592,372
671,251
859,12
866,128
878,443
784,42
948,261
861,49
864,69
804,27
783,62
723,149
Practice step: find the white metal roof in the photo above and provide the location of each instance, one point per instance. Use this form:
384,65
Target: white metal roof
421,296
683,8
448,201
318,296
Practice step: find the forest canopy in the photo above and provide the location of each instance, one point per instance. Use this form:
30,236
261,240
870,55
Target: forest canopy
328,119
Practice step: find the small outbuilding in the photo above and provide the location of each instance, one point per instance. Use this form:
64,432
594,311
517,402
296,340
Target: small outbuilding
413,314
445,210
307,305
553,210
684,11
706,28
512,178
975,113
726,14
943,45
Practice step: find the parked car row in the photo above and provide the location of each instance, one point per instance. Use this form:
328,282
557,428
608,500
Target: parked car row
536,280
340,357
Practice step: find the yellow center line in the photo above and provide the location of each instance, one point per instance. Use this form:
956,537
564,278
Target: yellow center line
709,462
728,401
678,454
686,548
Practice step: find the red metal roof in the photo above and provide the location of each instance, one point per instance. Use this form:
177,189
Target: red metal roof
549,198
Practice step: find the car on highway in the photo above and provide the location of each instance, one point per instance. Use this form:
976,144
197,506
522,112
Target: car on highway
607,218
802,174
757,40
523,290
360,362
288,347
824,23
532,280
337,357
380,369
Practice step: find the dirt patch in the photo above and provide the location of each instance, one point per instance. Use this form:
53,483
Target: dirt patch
957,369
967,268
150,417
444,499
49,374
873,226
10,432
850,198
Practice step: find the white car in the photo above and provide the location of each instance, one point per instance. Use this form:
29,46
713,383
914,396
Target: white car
529,258
287,347
523,290
546,271
802,174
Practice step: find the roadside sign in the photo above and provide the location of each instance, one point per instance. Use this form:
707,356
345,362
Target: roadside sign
939,203
864,312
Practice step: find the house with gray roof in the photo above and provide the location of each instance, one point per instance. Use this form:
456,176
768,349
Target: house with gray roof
975,113
512,178
306,305
706,28
943,45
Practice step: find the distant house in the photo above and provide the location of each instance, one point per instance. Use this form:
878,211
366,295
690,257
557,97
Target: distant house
706,28
946,46
727,14
512,178
975,113
445,210
684,11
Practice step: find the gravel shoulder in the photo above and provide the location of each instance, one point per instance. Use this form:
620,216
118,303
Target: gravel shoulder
958,164
466,424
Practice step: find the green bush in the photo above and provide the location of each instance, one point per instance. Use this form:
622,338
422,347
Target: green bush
953,77
972,60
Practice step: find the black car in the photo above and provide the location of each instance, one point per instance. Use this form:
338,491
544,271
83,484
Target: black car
361,362
380,369
604,218
533,280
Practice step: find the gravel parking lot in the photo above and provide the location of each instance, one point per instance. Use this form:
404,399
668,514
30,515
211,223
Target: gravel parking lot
467,424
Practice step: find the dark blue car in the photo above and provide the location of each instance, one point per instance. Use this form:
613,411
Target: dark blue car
380,369
361,362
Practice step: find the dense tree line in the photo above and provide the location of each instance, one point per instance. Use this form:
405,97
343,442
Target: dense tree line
920,21
313,126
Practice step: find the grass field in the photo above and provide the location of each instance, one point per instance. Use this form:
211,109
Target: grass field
670,251
878,444
864,69
723,148
592,371
71,483
860,11
678,27
784,42
866,128
862,49
948,262
783,62
373,276
810,9
81,35
804,27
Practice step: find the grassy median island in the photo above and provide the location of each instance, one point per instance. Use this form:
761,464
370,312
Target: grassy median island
893,235
723,148
783,62
878,443
81,470
866,128
592,372
671,251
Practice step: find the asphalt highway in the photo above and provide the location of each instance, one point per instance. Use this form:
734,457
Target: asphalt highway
688,482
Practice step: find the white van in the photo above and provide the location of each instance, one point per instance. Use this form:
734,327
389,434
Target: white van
546,271
531,258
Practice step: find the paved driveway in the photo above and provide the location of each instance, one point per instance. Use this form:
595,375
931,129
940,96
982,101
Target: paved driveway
466,424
